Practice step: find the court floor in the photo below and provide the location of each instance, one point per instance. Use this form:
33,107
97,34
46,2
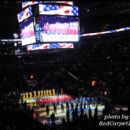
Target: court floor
44,118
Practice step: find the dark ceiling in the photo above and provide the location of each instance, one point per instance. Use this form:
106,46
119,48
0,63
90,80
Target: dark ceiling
8,18
94,16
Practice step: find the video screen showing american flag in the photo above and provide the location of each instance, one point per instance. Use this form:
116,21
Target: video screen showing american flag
27,3
27,32
48,9
62,2
26,13
59,29
50,46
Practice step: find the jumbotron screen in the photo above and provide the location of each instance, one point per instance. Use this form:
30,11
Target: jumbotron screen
27,3
27,32
49,9
26,13
49,46
59,29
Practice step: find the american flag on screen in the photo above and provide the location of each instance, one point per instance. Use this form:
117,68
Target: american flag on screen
25,14
27,3
58,10
63,2
49,46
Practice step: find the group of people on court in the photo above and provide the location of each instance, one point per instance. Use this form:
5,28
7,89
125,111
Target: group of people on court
78,104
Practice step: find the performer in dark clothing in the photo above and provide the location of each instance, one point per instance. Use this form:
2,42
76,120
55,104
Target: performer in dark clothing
68,116
85,105
53,118
67,105
47,110
72,106
62,107
55,108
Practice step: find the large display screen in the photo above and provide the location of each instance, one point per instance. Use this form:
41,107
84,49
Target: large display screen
27,32
49,46
59,29
47,9
27,3
60,2
26,13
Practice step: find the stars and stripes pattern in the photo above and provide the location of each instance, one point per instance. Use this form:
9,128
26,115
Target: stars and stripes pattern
49,46
27,3
58,10
25,14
